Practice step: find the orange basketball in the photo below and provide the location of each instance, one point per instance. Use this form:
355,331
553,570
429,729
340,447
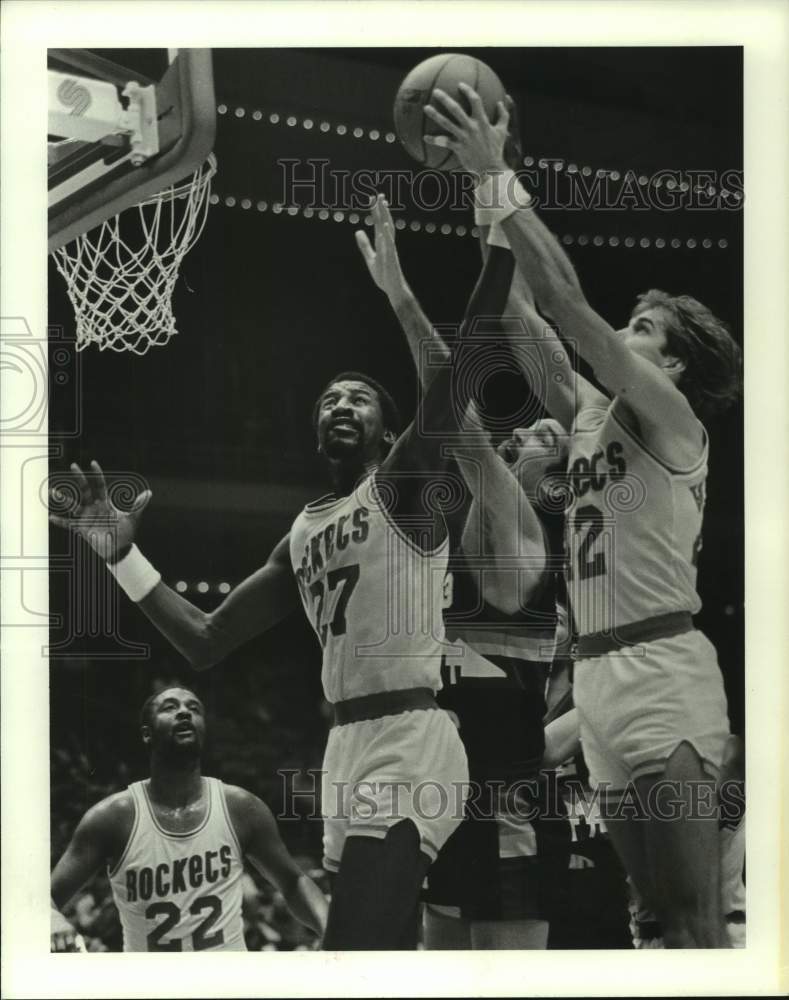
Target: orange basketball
444,71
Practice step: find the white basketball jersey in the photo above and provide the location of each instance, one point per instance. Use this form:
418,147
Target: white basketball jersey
373,597
180,891
634,527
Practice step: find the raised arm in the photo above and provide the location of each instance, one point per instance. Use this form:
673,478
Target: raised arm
262,846
422,454
502,535
663,412
666,420
424,444
565,393
204,638
383,263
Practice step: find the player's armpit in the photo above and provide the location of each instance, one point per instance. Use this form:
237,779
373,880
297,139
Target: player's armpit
410,476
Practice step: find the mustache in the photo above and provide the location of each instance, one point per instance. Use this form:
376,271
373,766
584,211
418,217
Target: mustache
351,421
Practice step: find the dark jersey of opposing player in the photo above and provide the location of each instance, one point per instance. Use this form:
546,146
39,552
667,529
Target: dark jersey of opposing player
498,864
587,901
495,679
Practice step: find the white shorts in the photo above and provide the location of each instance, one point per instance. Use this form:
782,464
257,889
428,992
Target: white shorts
378,772
636,705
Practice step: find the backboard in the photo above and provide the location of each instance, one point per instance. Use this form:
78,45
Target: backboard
119,134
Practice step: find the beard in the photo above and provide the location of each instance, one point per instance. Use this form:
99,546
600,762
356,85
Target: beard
343,446
338,450
175,752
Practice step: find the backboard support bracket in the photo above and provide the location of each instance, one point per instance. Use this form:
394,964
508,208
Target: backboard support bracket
107,180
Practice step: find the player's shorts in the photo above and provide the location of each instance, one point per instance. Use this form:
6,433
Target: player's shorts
636,705
493,865
380,771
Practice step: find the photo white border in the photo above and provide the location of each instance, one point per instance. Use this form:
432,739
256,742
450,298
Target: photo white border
28,28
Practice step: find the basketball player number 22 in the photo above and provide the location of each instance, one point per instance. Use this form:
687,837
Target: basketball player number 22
346,578
201,939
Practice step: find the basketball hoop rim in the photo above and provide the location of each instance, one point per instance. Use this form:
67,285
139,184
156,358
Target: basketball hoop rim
204,173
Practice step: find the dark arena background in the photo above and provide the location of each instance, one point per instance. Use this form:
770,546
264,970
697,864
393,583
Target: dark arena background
274,299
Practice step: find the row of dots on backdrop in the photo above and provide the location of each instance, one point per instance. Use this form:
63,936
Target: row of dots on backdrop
202,587
559,165
445,229
205,587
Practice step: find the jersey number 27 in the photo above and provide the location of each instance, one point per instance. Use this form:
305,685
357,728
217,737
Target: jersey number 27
344,577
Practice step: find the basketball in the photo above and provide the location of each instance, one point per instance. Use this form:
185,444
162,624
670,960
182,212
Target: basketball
446,72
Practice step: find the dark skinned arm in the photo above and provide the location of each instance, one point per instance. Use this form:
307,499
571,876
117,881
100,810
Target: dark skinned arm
263,848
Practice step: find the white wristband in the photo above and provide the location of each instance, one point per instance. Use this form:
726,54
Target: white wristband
497,237
498,196
134,574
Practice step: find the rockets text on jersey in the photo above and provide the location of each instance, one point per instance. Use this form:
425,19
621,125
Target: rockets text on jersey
180,891
373,596
633,528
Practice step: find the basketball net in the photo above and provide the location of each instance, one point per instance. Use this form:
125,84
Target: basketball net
121,276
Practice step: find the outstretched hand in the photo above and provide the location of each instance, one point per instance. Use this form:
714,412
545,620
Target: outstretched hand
108,530
382,261
477,142
63,936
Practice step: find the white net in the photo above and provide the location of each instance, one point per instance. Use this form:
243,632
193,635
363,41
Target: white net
121,275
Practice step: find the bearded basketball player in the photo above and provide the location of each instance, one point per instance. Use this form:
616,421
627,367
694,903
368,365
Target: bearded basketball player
174,847
369,561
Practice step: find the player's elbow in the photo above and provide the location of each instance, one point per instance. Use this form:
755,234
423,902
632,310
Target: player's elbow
207,649
204,659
